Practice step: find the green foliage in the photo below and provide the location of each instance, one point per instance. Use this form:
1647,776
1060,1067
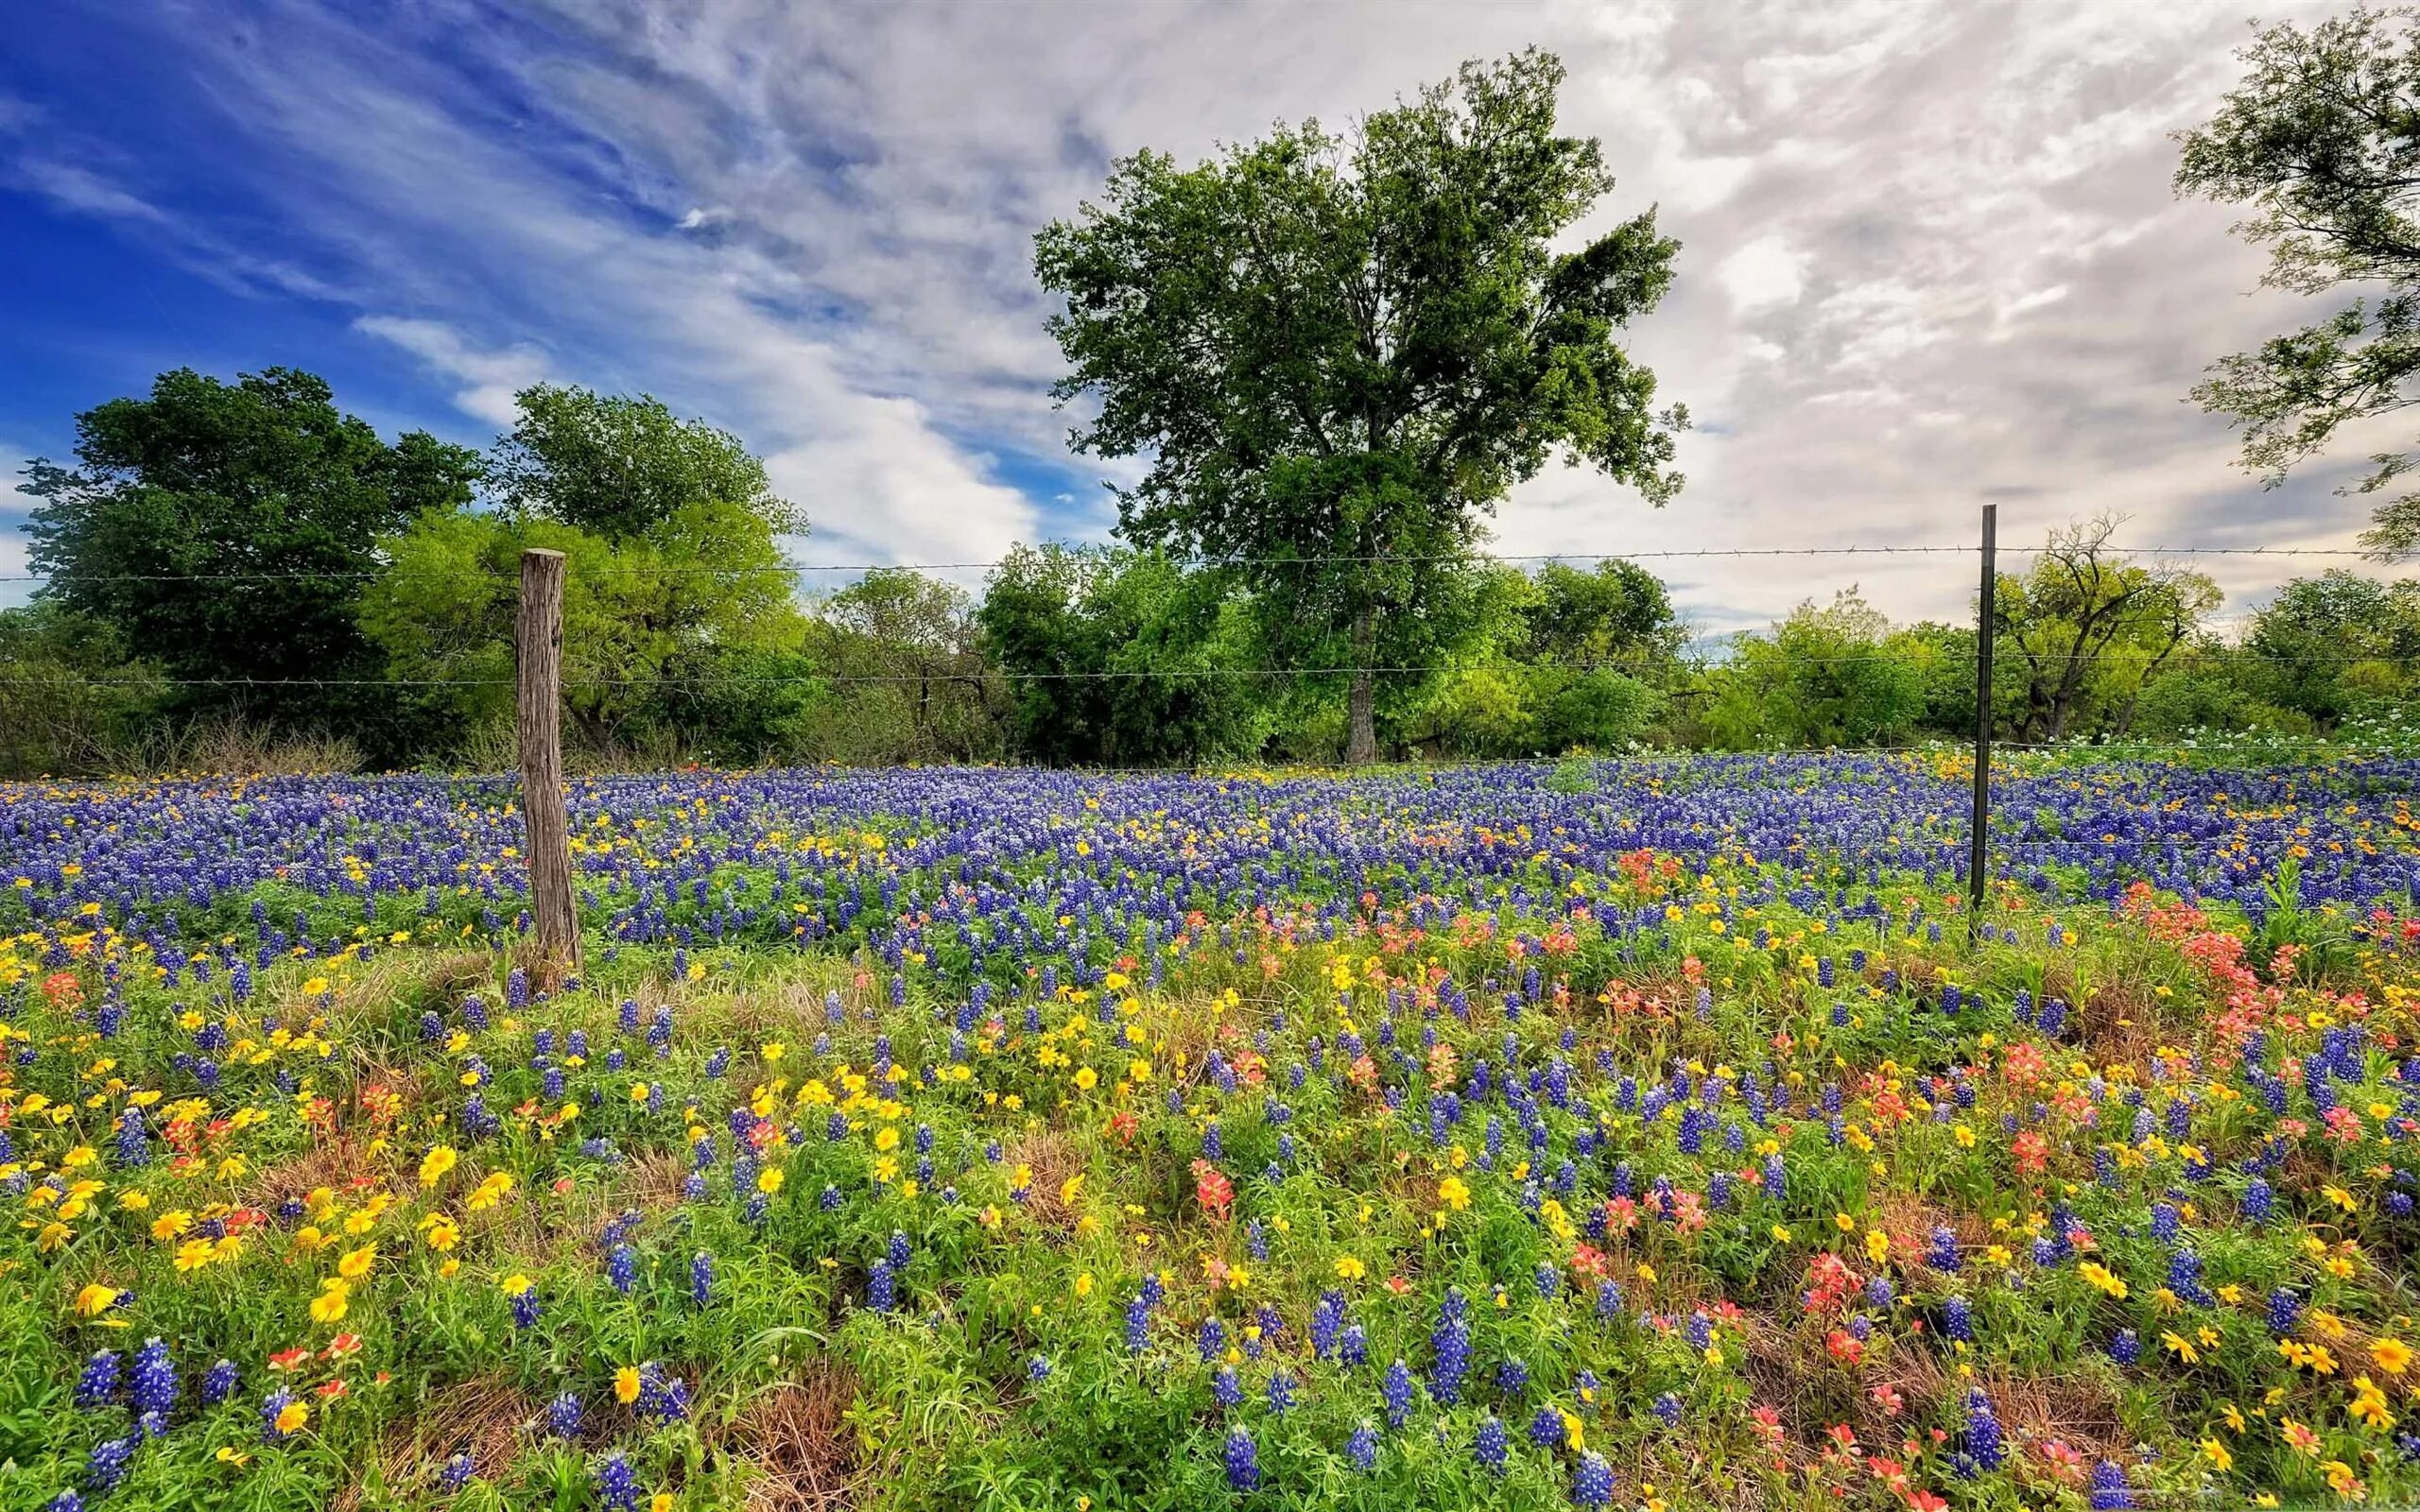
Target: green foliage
185,503
908,677
655,624
72,697
1825,675
2087,630
2335,646
1122,658
2317,142
619,465
1340,353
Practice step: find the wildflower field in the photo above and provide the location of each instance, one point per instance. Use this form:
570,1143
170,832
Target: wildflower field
1645,1135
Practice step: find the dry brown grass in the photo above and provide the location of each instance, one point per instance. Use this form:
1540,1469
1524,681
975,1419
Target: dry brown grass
1053,1155
2077,1408
485,1417
335,1161
796,1439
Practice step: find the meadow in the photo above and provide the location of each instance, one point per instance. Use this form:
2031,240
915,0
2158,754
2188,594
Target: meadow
1654,1134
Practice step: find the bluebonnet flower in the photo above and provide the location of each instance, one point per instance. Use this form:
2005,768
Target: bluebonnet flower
563,1414
702,1278
1546,1427
2284,1306
1211,1339
2110,1492
881,1291
1983,1432
101,1380
663,1398
219,1382
1037,1370
457,1471
1397,1391
133,1139
2259,1201
273,1408
1362,1449
1242,1459
621,1268
1667,1407
1227,1390
1511,1377
154,1384
1957,1319
1592,1481
1138,1323
106,1465
1353,1347
1489,1446
618,1488
2126,1347
2166,1222
1281,1391
2184,1279
1451,1340
1942,1254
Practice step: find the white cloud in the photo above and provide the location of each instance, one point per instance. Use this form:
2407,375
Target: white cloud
1763,273
489,379
15,507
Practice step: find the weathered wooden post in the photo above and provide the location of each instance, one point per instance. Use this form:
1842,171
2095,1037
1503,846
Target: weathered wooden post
1977,864
537,644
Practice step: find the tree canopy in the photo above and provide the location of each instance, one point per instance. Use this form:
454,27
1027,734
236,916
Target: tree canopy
2321,142
618,465
1339,351
224,531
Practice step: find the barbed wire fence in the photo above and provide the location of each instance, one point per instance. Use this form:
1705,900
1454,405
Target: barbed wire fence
1702,655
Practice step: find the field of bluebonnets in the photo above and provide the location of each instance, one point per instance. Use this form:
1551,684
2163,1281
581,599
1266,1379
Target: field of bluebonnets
1642,1135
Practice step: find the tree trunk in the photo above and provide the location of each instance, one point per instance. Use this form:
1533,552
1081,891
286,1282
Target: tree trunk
1361,721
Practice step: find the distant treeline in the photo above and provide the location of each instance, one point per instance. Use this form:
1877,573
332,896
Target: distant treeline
246,557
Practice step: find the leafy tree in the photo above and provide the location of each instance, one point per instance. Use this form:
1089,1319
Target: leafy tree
1120,656
618,465
1825,675
2320,142
224,530
679,626
908,678
2334,647
653,624
1339,351
73,698
1617,612
2087,630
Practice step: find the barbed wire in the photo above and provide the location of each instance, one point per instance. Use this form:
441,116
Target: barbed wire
982,671
1299,559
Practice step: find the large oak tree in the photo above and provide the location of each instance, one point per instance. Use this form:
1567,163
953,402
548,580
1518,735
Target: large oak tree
1339,351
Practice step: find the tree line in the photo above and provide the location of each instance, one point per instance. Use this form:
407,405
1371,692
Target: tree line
246,552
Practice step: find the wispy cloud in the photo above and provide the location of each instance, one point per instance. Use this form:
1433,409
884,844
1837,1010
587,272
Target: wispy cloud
488,379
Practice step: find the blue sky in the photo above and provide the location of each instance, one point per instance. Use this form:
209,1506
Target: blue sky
1929,252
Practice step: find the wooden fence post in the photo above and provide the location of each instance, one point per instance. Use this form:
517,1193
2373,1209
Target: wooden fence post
1977,851
538,644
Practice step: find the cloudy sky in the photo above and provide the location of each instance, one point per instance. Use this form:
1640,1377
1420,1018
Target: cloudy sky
1930,257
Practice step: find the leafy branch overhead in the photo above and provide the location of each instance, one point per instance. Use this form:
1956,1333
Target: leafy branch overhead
2321,142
